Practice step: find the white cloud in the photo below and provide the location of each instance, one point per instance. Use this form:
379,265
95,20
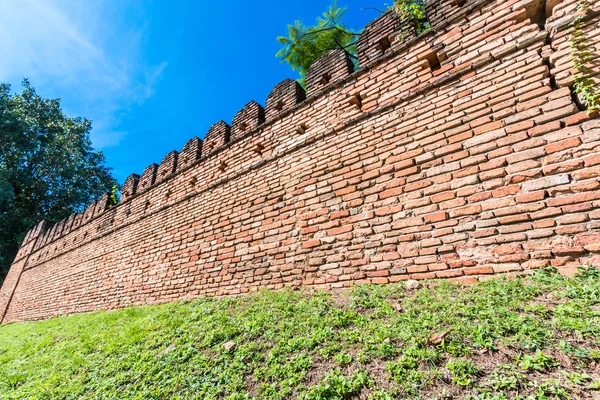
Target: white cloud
70,49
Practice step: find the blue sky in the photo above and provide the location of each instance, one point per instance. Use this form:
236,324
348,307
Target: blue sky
152,74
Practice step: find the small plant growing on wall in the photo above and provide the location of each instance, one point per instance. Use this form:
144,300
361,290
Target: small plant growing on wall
585,86
114,196
413,12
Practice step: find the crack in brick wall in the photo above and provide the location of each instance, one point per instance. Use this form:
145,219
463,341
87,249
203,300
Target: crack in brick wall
457,154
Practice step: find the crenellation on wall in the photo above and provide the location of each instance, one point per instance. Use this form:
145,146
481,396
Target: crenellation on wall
284,96
36,232
103,204
50,234
450,156
441,12
88,214
168,166
130,187
57,232
190,153
247,119
148,177
69,225
333,66
218,135
380,35
31,239
78,221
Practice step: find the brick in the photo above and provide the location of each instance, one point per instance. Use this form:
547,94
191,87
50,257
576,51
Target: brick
586,173
546,182
562,167
568,251
309,244
564,145
469,210
544,129
573,199
436,217
485,138
391,193
530,197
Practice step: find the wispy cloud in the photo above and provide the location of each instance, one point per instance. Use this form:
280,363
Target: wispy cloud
78,49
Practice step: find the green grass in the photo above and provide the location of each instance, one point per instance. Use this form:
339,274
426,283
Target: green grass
526,338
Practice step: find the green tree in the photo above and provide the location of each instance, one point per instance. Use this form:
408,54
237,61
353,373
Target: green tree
48,168
305,44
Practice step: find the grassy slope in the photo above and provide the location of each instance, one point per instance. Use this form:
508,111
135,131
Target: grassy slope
537,336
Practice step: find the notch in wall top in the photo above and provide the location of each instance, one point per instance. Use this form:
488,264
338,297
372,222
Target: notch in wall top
434,57
284,96
148,177
335,65
190,153
247,119
168,166
217,136
130,186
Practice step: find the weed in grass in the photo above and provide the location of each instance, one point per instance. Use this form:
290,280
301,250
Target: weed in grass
505,378
464,372
536,362
551,389
380,395
337,386
576,377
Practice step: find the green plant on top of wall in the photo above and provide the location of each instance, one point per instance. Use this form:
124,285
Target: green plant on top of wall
413,12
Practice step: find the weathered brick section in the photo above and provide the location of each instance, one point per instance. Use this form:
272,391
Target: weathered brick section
458,154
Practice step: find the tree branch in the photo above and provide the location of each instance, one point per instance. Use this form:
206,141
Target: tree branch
372,8
325,30
340,46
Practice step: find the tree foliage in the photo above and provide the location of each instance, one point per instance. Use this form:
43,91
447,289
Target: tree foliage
48,168
305,44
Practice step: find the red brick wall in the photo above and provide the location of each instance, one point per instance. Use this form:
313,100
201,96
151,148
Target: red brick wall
457,154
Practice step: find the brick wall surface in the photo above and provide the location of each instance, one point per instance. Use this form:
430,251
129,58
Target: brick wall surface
457,154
